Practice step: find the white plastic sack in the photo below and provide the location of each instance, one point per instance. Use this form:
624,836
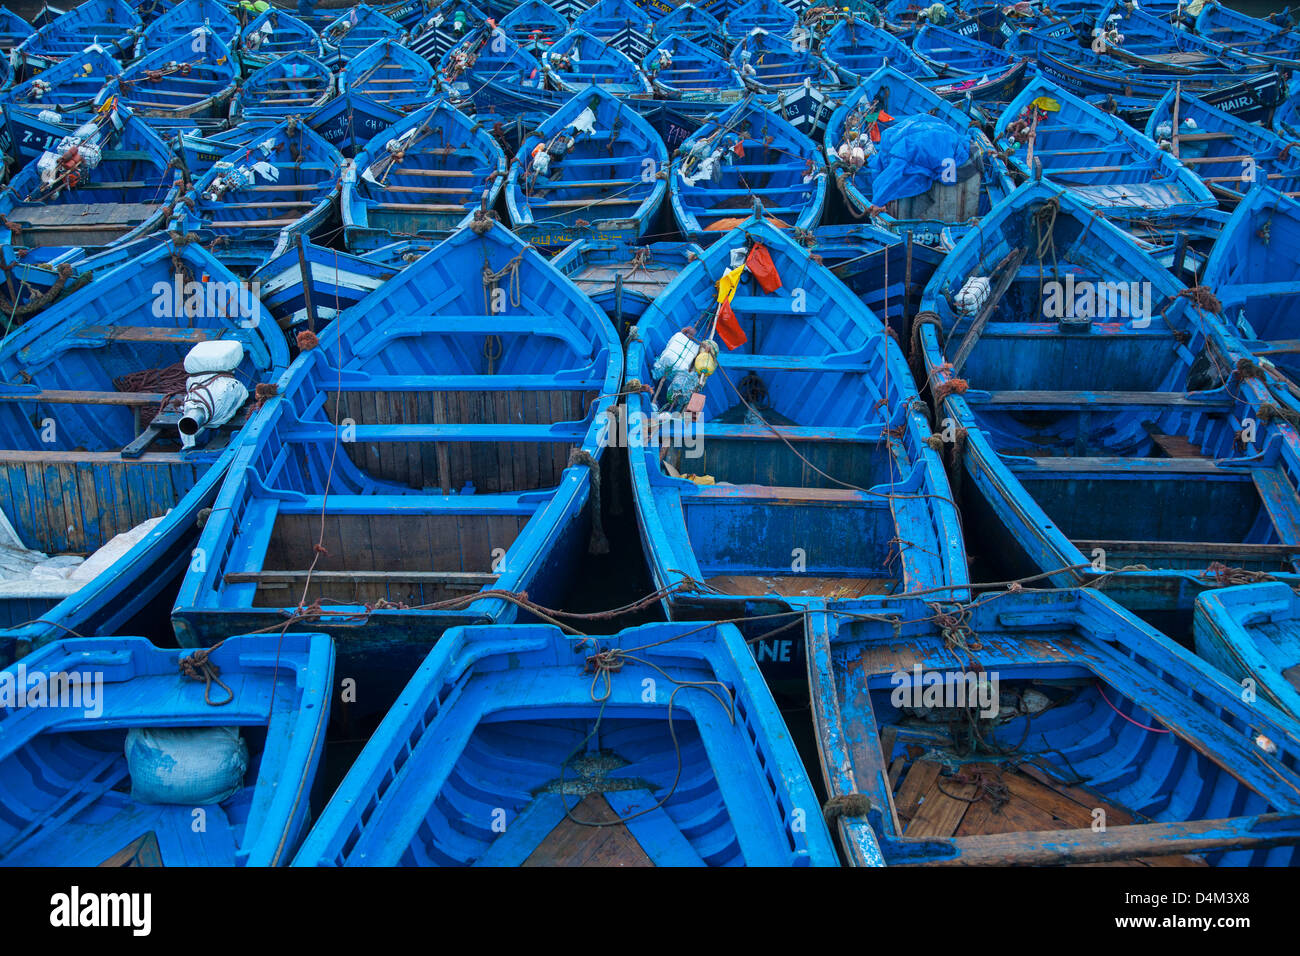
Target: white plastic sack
209,404
190,766
217,355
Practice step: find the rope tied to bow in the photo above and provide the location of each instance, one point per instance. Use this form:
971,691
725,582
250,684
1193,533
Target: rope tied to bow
199,666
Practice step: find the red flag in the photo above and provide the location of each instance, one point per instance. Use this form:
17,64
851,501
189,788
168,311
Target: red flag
729,330
760,265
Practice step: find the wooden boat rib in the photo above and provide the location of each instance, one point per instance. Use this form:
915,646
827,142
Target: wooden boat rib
252,204
110,23
1128,455
1104,161
534,25
424,177
680,69
126,195
389,73
1227,154
178,81
1066,711
578,60
456,476
595,168
857,49
182,20
88,453
1252,270
67,773
276,33
810,429
780,167
291,85
711,780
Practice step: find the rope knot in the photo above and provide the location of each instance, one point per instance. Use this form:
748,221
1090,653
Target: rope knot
198,666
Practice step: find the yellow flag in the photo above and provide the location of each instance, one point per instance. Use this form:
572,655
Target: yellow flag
1047,104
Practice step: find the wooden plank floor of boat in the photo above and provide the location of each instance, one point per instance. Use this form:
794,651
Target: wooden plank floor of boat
987,799
801,585
571,844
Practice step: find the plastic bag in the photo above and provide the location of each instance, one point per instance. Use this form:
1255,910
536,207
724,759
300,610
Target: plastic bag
187,766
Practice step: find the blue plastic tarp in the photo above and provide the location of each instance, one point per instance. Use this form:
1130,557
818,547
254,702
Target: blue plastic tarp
912,155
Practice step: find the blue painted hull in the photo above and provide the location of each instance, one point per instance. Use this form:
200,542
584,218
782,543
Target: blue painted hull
74,779
699,775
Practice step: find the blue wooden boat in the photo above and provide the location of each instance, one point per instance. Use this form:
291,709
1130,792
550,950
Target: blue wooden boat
74,775
857,49
770,16
805,107
1251,100
770,63
1063,61
181,21
1147,42
909,159
273,34
1061,731
1124,465
128,193
1100,158
361,27
291,85
13,30
594,169
69,86
569,9
1227,154
389,73
1252,634
93,412
487,56
111,24
622,278
886,270
425,177
713,183
1253,272
308,286
1257,39
193,76
694,23
950,54
350,120
458,481
534,25
681,69
578,60
252,204
621,24
443,27
473,769
808,477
